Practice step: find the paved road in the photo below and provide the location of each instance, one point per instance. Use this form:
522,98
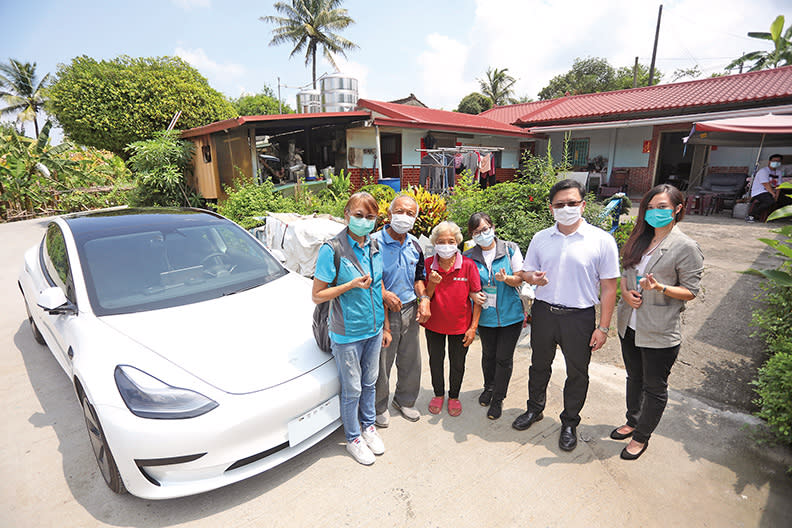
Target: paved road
701,469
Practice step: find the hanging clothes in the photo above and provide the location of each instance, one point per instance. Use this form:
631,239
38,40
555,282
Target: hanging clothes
425,174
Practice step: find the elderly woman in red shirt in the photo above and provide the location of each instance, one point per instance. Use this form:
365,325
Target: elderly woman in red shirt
452,280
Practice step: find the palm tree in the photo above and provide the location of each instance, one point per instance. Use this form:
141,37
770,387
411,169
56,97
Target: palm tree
780,55
19,90
310,24
497,86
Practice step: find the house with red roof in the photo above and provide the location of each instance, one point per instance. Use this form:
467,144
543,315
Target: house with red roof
376,134
640,130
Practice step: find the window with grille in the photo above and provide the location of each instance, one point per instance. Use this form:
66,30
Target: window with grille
578,152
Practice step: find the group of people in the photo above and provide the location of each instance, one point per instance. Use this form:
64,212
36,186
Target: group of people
384,289
766,194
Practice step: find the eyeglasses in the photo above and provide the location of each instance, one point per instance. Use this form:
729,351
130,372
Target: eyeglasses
361,215
481,230
560,205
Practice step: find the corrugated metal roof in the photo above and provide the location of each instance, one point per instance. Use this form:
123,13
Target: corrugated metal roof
511,113
429,118
765,85
285,118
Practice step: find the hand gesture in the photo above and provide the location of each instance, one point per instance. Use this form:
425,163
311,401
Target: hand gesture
538,278
424,312
469,336
501,275
649,283
435,278
361,282
633,298
478,297
392,301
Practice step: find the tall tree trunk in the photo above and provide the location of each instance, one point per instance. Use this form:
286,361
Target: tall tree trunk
314,68
35,123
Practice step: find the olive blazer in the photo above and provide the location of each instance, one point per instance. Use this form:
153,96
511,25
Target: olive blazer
677,261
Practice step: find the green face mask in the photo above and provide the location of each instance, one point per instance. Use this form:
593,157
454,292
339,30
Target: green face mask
360,226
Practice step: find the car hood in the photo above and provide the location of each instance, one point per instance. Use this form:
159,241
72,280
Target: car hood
241,343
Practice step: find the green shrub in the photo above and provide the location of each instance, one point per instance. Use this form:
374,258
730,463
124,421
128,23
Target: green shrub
774,387
247,200
432,210
622,233
379,192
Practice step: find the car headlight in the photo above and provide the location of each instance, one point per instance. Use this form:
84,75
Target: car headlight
148,397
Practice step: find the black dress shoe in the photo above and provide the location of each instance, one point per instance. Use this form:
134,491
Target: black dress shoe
485,397
626,455
616,435
496,407
568,439
525,420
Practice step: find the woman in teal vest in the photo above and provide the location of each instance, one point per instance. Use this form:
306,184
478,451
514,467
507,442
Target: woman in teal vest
357,324
502,314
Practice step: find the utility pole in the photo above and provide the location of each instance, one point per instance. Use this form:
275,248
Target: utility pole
280,111
654,50
635,73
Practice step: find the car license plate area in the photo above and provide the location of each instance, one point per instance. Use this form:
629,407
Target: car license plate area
314,420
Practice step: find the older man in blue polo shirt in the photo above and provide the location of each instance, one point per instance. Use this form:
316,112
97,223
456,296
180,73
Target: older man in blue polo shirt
408,305
575,265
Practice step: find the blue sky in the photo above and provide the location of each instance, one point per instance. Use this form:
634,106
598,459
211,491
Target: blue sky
435,50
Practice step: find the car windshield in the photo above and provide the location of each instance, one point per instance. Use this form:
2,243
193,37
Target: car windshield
164,264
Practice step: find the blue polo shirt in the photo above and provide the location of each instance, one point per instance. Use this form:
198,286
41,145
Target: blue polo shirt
363,311
402,264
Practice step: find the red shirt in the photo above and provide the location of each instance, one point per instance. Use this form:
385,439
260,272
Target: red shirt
450,305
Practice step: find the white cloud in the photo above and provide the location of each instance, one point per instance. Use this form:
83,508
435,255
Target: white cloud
218,74
442,72
189,5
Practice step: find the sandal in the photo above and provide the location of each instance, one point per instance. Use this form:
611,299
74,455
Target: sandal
436,404
454,407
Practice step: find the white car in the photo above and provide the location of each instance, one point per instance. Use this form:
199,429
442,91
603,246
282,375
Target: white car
188,344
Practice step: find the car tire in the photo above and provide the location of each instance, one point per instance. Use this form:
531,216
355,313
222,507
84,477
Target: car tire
36,333
104,458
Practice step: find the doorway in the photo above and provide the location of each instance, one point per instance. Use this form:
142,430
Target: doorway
678,166
391,145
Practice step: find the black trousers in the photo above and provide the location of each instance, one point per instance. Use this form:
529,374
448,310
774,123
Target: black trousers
647,384
497,356
435,343
761,203
571,330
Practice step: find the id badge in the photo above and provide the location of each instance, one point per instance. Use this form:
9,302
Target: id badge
492,296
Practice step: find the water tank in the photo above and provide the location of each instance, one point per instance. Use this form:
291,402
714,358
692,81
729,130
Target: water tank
339,92
309,101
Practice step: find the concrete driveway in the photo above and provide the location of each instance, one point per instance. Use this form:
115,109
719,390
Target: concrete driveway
701,468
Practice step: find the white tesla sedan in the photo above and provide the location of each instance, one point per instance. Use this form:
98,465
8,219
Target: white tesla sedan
189,347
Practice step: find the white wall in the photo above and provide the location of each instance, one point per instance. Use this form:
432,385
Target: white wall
629,147
745,156
627,151
365,138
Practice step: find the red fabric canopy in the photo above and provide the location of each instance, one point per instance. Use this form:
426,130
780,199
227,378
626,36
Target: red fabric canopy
766,124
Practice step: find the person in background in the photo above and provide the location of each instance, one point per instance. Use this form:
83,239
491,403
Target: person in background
357,325
454,318
574,264
502,315
408,305
764,191
662,271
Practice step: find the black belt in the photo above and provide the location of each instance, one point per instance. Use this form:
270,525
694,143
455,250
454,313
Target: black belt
557,308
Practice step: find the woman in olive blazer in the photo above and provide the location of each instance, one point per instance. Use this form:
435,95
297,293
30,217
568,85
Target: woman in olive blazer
662,270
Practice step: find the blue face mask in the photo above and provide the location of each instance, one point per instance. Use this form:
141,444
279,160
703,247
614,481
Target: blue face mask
486,238
659,217
360,226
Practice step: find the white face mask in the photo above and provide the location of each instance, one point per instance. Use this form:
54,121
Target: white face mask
445,250
567,215
775,164
401,223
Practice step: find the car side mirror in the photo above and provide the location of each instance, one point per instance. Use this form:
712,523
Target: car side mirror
55,302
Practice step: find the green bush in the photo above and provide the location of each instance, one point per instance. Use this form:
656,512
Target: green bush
379,192
774,387
432,209
248,199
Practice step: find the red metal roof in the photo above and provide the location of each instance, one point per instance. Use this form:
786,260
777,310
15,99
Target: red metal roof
765,85
408,116
239,121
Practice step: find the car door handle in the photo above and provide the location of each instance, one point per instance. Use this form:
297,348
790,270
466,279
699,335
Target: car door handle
70,353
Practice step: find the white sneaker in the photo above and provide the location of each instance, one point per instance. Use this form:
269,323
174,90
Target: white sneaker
373,439
382,420
750,219
360,451
410,413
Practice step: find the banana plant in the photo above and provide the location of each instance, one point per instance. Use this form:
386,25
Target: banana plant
782,275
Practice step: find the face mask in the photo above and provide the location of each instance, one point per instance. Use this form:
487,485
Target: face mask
659,217
360,226
567,215
445,250
401,223
485,238
775,164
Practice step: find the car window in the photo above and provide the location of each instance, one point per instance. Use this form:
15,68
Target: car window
56,261
170,266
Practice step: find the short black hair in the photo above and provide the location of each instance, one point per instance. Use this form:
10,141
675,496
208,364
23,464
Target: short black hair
475,220
779,156
567,184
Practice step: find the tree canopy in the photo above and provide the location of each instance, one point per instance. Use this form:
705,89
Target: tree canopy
780,55
263,103
109,104
592,75
497,86
474,103
20,91
310,25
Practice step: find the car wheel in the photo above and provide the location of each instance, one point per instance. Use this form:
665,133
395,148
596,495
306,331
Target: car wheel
36,334
101,450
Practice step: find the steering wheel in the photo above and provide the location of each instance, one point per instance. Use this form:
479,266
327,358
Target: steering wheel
220,257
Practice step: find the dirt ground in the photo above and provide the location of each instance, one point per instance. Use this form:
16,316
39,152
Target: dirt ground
718,358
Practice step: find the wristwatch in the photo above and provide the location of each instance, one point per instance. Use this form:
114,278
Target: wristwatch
664,289
603,329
